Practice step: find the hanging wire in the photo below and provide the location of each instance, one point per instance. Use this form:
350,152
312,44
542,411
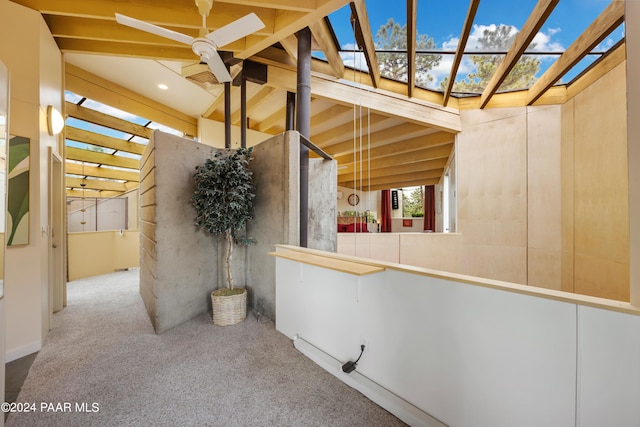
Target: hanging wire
355,127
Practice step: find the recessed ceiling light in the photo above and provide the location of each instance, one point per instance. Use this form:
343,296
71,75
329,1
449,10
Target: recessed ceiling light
163,86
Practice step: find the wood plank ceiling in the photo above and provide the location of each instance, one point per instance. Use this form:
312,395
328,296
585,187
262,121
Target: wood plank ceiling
383,133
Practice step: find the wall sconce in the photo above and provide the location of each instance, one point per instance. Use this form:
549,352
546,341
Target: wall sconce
55,121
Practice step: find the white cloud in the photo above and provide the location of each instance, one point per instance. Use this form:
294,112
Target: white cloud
353,59
478,31
543,43
451,43
553,31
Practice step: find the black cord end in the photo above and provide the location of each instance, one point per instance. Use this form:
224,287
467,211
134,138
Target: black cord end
350,366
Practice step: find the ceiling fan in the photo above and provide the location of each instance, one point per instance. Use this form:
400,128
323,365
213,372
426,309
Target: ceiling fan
207,44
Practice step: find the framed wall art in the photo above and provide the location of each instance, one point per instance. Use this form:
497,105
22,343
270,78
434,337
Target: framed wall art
18,191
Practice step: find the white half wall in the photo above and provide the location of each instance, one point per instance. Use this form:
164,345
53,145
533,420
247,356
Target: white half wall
468,351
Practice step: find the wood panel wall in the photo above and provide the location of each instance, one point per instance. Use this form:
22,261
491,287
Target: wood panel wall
595,236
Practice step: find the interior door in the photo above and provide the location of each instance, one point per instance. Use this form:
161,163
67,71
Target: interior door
56,234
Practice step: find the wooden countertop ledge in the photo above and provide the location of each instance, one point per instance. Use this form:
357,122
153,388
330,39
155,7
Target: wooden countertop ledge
344,266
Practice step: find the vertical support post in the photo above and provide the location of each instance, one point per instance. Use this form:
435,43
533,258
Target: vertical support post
243,112
227,115
303,124
291,111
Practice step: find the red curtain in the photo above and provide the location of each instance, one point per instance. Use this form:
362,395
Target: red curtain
385,212
429,208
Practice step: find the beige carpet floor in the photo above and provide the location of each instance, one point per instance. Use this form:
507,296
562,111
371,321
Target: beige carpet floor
103,365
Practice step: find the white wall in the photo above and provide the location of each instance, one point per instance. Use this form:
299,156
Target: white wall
369,201
467,351
36,81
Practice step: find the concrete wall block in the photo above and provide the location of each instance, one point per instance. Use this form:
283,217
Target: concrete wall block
276,214
323,192
190,261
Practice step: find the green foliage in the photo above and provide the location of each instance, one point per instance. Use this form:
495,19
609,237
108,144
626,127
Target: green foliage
412,204
522,76
18,185
224,192
393,36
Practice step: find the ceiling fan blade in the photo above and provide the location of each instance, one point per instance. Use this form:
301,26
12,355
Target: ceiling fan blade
218,68
242,27
153,29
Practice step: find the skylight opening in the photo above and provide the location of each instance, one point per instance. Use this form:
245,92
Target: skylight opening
89,147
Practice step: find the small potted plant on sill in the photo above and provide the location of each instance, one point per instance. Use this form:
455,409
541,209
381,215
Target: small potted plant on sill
223,198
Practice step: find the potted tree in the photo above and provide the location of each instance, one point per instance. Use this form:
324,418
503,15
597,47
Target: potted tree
223,198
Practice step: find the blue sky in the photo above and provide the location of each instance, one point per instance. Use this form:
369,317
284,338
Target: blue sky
443,20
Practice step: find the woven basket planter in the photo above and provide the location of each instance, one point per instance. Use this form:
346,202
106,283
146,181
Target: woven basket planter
229,310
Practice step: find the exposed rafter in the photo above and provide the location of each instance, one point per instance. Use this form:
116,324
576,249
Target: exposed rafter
104,141
412,9
609,20
323,36
364,36
353,109
540,13
462,44
82,82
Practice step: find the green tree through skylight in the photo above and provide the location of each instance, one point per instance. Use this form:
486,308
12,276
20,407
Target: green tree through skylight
498,39
393,36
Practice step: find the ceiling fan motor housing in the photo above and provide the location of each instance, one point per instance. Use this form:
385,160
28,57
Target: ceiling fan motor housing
204,6
204,48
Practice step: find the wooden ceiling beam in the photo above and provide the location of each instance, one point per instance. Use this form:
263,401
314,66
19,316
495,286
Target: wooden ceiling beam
101,140
333,118
523,39
398,180
388,104
462,44
126,49
290,45
75,27
274,120
600,28
323,36
163,13
289,22
392,184
412,12
608,63
365,39
380,149
254,102
95,184
376,172
383,131
295,5
344,133
96,117
93,194
381,161
91,86
101,172
101,158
